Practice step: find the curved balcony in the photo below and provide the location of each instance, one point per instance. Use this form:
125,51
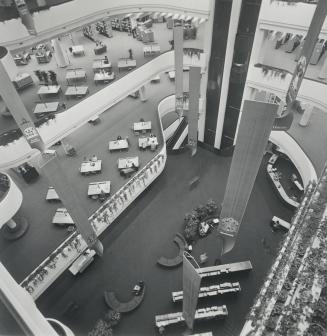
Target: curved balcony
290,18
311,92
10,199
74,14
60,259
67,122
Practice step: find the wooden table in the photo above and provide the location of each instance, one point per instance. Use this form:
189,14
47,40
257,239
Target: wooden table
148,142
42,108
118,144
103,77
91,167
62,217
84,260
98,188
142,126
48,90
126,64
78,50
101,65
151,49
75,75
76,91
128,162
52,195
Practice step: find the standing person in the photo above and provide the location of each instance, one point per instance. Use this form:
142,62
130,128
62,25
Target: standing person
130,53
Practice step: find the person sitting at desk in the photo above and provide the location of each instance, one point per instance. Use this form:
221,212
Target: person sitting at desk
106,61
94,158
119,137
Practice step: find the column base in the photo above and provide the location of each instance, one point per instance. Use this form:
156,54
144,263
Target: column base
17,232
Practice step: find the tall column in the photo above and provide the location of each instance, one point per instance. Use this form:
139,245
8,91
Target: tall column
61,57
178,51
22,307
10,65
323,71
305,119
53,170
193,112
143,94
11,224
232,30
254,130
204,78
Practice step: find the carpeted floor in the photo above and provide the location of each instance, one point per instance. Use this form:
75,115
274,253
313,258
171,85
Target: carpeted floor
145,232
22,256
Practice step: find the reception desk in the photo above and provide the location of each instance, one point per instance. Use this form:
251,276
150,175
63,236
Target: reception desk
275,180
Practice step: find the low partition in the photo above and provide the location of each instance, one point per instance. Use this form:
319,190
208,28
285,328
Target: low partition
61,258
275,181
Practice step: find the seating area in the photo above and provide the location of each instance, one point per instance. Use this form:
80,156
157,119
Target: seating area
178,260
123,307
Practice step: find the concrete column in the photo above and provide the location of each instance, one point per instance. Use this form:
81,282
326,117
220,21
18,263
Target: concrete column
11,224
10,66
207,40
143,94
233,25
178,48
323,71
254,130
305,119
22,307
193,113
15,105
61,57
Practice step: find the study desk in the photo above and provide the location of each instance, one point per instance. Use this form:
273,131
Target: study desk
73,75
151,49
43,56
100,49
128,162
76,91
103,77
52,195
62,217
48,90
101,65
42,108
142,125
126,64
91,167
22,80
151,142
118,144
84,260
98,188
78,50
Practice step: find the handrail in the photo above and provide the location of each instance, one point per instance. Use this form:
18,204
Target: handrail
68,251
65,123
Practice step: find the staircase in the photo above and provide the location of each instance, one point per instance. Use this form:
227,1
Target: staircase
178,140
